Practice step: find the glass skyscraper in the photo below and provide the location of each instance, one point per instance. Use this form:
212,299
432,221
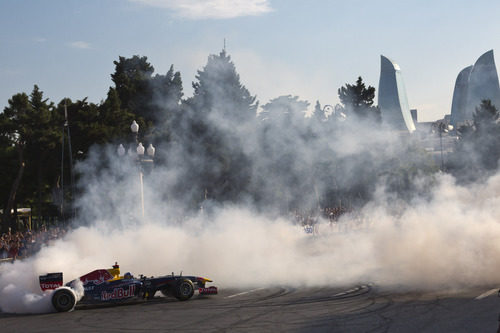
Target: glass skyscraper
474,84
392,99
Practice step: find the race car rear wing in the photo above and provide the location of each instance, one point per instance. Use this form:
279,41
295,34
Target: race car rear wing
51,281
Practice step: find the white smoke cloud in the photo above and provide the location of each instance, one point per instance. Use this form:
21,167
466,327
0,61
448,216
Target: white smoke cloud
450,241
214,9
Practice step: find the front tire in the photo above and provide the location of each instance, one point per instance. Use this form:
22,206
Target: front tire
63,300
184,290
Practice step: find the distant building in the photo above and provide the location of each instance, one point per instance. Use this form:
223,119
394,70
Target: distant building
474,84
392,99
459,102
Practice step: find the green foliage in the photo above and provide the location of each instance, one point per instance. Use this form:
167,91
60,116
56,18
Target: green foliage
223,150
208,128
477,152
27,125
487,135
115,120
357,101
219,91
151,100
283,134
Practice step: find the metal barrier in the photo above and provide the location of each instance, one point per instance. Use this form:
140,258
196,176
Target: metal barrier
6,260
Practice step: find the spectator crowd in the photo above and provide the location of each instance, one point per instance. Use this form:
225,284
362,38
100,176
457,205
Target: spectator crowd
332,214
15,245
22,244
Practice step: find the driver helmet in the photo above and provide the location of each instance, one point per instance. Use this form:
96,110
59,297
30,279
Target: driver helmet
127,275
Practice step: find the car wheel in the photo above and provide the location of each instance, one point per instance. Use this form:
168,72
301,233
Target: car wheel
63,300
184,290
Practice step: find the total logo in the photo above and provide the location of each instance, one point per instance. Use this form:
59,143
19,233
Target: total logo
50,285
118,293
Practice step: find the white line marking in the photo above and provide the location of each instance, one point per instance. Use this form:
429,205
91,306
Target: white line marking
364,286
245,292
486,294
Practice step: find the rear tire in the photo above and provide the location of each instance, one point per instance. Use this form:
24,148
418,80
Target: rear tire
184,290
63,300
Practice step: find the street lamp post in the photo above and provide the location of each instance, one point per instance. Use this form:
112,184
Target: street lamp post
141,160
135,130
336,111
442,128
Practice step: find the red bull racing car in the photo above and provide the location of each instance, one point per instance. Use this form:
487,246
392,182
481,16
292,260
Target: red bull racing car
108,286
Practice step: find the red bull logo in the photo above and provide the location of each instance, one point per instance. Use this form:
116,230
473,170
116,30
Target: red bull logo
118,293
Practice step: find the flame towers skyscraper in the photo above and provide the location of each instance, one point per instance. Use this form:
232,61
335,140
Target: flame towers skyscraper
392,98
474,84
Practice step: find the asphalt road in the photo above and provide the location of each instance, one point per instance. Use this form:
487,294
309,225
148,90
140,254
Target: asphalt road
280,309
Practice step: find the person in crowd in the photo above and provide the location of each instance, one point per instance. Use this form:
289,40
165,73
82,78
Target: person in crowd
13,249
3,251
23,244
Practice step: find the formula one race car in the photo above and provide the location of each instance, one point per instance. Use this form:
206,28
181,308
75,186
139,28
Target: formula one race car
107,286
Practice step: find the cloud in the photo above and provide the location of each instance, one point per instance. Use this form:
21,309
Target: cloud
40,39
212,9
80,45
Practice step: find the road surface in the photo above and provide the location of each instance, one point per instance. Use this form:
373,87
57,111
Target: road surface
357,308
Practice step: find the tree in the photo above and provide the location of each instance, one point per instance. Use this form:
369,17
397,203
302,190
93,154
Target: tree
284,178
487,134
219,91
357,100
27,123
132,78
152,100
115,119
486,117
210,130
167,98
477,154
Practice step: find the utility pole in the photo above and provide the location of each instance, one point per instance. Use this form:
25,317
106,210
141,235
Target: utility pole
66,131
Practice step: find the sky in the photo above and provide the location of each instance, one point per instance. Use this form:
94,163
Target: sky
279,47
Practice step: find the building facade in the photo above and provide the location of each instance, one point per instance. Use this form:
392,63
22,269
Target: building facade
474,84
392,99
459,102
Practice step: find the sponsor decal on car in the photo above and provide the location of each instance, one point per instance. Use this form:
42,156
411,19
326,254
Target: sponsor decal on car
51,281
46,286
96,277
208,291
118,293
